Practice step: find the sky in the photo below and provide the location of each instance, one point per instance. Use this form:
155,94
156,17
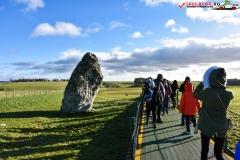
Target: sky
131,39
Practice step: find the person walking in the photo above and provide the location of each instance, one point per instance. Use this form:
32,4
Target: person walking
168,92
212,120
181,89
189,106
152,97
159,84
174,87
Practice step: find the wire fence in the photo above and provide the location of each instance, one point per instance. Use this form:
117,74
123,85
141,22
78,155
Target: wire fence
17,93
136,122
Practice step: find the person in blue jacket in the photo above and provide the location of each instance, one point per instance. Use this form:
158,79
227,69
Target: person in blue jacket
237,152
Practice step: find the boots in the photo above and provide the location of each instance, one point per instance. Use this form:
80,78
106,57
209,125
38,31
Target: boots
159,119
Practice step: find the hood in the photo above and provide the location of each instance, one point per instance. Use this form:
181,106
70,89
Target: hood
188,87
207,75
218,78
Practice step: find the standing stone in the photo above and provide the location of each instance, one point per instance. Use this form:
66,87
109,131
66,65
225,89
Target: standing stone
83,85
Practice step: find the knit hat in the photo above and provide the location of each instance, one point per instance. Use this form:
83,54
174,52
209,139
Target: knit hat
151,84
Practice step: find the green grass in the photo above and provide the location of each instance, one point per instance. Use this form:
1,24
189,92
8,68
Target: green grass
36,129
31,85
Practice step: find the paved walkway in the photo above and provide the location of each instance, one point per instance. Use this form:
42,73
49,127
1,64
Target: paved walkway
169,142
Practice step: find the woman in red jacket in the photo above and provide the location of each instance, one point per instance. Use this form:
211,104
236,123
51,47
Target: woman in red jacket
189,106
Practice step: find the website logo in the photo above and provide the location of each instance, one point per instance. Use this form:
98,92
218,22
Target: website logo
212,5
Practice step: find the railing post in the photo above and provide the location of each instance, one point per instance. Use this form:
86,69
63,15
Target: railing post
133,137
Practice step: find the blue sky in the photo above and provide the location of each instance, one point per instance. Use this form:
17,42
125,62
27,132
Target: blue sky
140,38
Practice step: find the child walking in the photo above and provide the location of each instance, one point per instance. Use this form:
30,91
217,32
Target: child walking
189,106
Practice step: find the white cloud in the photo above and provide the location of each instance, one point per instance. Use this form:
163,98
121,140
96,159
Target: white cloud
95,27
130,43
91,30
169,23
149,33
61,28
117,54
72,52
224,16
116,24
180,30
235,35
136,35
32,4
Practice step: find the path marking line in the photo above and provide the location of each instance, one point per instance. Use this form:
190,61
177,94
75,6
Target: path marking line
140,137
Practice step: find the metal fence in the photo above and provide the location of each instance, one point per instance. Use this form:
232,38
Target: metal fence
136,122
16,93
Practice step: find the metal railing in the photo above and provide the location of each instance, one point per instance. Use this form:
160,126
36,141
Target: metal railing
136,122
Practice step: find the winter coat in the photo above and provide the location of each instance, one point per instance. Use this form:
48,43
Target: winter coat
168,91
159,84
152,96
174,87
212,115
188,104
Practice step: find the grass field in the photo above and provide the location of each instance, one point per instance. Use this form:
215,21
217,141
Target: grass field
36,129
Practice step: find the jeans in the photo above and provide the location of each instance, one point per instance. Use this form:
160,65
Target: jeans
218,147
193,119
165,105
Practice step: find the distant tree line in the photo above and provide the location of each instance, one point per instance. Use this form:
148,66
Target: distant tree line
38,80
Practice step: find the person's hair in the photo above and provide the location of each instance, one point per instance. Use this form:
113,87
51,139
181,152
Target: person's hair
187,78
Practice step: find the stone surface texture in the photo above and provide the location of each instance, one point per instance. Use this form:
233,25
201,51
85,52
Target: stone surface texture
82,86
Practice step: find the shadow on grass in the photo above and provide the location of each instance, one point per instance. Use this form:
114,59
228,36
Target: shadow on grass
70,136
111,142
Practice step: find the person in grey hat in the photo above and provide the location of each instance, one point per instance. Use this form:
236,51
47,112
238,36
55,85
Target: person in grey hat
159,84
151,97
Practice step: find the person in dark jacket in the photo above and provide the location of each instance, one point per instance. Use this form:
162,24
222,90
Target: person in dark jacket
174,87
168,92
159,84
152,97
212,119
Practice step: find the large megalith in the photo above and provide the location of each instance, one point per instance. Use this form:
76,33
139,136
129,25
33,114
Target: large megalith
83,85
